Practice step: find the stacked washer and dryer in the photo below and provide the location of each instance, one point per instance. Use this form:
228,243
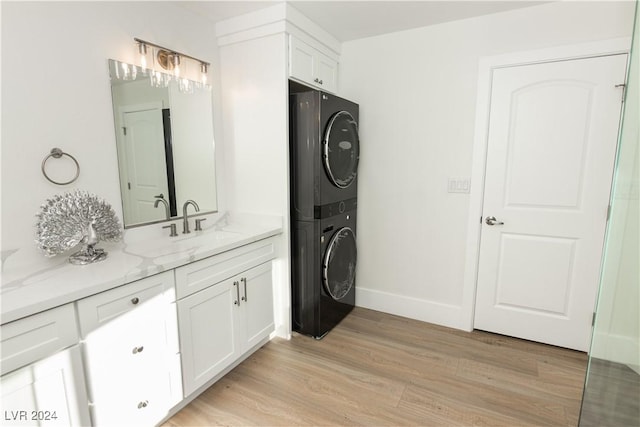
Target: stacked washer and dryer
324,153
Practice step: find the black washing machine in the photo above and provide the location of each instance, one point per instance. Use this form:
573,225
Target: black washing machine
324,152
324,155
324,257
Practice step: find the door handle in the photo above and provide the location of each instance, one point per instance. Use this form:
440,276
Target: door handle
491,220
237,286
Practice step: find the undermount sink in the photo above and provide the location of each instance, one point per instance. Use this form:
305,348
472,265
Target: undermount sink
182,243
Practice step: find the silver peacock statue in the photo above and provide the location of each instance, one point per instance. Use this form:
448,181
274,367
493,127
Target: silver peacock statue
75,218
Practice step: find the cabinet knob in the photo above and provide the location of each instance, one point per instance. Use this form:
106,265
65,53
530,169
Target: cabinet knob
143,404
137,350
135,300
317,80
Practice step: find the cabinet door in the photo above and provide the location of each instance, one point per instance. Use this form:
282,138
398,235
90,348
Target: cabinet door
257,305
301,57
326,71
311,66
206,322
49,392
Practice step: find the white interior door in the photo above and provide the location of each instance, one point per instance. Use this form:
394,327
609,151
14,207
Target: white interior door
551,147
146,165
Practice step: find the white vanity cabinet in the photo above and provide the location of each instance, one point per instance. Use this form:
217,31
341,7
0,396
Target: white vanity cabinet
310,66
43,381
255,311
130,346
49,392
225,309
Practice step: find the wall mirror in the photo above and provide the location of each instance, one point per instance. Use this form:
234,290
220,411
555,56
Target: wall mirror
164,138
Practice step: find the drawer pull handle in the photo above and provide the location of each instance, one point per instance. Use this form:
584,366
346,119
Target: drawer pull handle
244,280
135,300
143,404
137,350
237,286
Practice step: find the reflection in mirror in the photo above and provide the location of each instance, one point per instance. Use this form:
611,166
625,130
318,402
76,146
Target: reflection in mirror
164,138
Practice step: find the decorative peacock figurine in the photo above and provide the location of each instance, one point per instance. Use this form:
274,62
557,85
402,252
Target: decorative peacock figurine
79,217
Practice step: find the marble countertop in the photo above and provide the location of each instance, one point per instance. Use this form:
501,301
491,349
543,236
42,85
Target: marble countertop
33,284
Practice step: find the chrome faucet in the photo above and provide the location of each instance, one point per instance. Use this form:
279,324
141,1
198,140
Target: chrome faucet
166,207
185,217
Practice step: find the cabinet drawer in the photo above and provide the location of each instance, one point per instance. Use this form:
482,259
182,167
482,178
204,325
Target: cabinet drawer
102,308
134,401
27,340
202,274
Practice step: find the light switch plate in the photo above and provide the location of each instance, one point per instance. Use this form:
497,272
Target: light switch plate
459,185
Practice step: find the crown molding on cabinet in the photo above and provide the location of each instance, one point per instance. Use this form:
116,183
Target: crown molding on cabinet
273,20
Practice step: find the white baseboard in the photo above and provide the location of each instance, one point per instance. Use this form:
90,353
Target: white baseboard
617,348
413,308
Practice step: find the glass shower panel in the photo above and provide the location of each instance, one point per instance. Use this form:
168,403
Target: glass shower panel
612,388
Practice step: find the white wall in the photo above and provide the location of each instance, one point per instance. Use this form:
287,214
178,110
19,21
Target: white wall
56,93
417,95
255,105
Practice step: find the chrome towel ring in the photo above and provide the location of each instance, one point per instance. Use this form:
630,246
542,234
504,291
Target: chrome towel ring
56,153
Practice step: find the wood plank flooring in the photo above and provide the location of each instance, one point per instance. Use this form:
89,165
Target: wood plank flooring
377,369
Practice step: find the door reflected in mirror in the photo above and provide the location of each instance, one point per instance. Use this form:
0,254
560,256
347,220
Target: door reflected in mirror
164,138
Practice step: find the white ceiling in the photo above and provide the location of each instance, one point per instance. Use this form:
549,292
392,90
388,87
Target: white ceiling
350,20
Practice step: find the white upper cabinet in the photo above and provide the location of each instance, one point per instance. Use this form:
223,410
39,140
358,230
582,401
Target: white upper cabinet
310,66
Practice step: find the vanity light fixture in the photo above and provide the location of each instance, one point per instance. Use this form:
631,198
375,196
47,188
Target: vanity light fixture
170,60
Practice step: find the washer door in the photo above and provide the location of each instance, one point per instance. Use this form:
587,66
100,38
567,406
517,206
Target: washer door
341,149
339,264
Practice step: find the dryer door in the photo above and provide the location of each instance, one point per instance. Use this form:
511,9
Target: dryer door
339,264
341,149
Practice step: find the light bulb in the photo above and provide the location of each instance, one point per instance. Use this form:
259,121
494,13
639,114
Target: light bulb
203,74
176,65
142,49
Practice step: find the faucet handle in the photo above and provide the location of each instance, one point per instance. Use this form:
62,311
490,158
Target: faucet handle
174,232
199,223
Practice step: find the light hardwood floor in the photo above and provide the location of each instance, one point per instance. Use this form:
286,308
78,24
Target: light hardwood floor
377,369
